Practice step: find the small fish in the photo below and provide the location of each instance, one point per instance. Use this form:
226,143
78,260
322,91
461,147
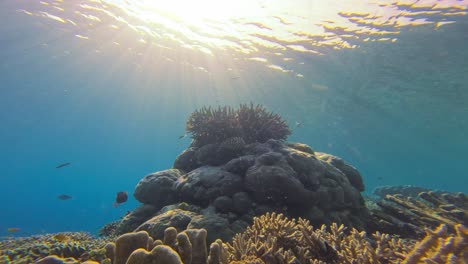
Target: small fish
63,165
183,136
64,197
13,229
299,124
379,178
120,198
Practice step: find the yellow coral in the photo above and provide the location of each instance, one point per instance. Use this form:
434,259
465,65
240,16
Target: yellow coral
438,247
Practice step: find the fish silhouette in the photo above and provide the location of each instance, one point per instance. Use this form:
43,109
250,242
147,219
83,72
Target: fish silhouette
64,197
63,165
120,198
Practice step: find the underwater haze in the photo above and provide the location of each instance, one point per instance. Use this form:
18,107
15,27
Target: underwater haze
107,86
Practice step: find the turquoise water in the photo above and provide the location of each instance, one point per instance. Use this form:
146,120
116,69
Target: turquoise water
107,86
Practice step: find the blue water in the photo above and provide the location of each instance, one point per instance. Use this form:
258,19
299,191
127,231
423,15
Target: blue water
395,110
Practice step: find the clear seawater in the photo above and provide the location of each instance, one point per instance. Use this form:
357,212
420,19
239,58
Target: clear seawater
108,86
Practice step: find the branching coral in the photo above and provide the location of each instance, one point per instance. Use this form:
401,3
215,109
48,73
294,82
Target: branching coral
275,239
249,122
259,125
409,216
439,247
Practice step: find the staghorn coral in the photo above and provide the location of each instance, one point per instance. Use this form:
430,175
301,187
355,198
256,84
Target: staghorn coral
249,122
274,238
408,216
439,247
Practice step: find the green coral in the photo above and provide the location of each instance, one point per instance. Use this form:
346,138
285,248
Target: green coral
252,123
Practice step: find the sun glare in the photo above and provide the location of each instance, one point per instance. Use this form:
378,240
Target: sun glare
245,29
193,12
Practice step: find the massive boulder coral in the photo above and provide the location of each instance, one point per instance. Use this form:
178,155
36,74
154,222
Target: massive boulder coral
261,177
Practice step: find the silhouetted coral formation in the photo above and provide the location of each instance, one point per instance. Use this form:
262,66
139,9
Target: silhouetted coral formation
250,123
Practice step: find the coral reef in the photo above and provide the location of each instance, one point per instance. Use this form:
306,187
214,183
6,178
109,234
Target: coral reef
273,239
248,123
439,247
408,216
64,245
405,190
222,193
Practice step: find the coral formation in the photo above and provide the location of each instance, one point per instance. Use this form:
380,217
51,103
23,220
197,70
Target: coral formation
405,190
439,247
274,238
249,123
224,192
408,216
64,245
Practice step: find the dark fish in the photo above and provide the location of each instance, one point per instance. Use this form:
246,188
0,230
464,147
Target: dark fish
183,136
63,165
120,198
64,197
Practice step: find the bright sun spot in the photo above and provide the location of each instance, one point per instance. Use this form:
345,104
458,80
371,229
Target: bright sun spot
194,12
